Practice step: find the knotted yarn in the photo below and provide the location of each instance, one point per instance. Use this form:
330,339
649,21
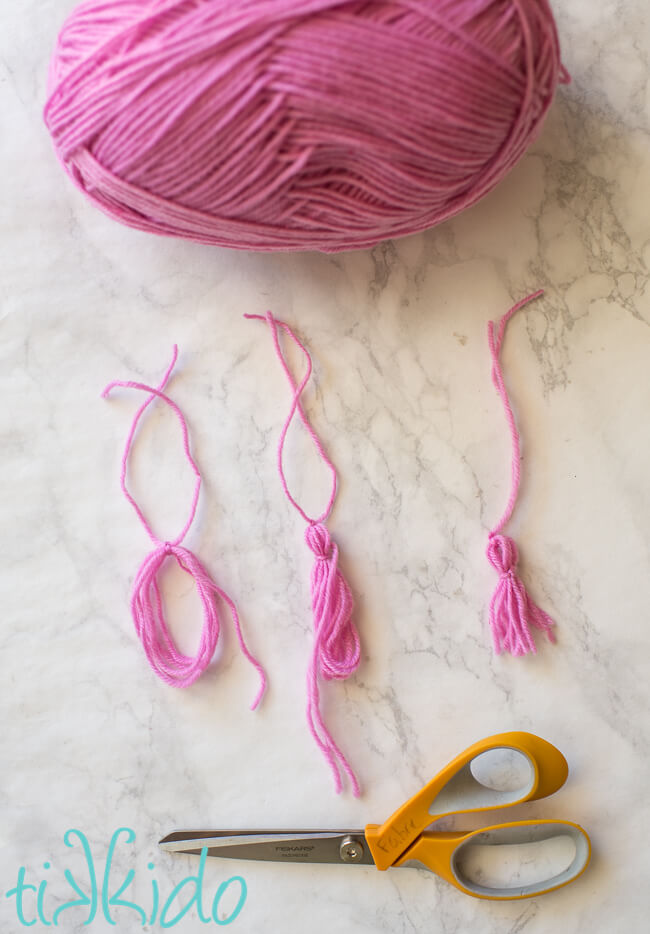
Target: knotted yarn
336,651
147,608
338,640
297,124
512,612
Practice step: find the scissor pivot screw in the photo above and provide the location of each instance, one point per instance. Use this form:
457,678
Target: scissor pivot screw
351,850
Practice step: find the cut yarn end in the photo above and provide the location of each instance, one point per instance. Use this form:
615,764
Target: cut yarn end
170,664
336,651
512,612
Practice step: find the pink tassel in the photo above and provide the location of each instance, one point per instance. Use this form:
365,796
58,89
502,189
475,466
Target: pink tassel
512,612
332,603
336,651
337,648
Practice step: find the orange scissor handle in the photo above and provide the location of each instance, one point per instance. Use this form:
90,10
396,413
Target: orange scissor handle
455,790
449,855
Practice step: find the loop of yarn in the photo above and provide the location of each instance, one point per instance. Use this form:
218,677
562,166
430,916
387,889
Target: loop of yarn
171,665
512,612
297,124
502,553
167,661
336,651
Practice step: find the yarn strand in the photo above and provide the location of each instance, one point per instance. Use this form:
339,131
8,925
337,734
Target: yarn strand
336,650
512,611
170,664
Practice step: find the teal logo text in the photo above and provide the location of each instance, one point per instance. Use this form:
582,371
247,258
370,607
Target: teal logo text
98,894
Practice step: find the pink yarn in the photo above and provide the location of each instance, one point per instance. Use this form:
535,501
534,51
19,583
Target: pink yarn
170,664
512,612
336,652
297,124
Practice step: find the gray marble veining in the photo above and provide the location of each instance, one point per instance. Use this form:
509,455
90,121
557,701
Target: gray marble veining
403,401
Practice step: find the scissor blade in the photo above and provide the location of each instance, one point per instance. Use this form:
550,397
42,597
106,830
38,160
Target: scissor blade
319,846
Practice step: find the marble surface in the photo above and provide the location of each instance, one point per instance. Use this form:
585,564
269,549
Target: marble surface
91,740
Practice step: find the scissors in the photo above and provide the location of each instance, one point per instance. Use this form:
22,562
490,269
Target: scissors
466,859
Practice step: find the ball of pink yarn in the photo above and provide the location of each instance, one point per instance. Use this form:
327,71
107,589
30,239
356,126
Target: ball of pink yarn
297,124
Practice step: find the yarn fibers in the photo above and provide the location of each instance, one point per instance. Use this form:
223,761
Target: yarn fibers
512,611
336,651
147,606
297,124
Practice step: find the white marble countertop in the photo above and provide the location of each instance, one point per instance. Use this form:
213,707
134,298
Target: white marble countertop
402,398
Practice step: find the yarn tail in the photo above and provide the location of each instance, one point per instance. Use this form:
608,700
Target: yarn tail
248,655
512,611
337,648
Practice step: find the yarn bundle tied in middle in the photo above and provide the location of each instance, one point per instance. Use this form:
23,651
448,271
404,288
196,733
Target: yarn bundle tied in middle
297,124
